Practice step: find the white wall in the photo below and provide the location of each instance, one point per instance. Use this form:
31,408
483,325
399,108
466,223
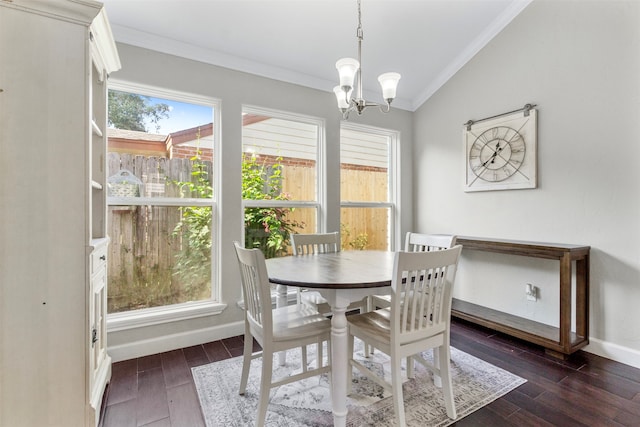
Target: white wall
580,62
236,89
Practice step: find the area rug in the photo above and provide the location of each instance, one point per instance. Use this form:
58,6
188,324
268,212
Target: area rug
308,403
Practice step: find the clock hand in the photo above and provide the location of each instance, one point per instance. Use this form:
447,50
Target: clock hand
496,151
490,159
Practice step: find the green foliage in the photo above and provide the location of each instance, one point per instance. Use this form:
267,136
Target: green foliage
128,111
266,228
358,242
193,262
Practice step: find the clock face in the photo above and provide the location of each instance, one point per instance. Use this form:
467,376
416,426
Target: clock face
500,153
497,153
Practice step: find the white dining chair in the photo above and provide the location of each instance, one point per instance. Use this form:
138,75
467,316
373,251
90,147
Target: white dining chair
319,243
419,242
419,319
275,330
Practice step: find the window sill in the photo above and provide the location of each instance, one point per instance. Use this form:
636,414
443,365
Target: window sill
159,315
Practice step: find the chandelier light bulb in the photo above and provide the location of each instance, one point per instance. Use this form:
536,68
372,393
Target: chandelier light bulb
347,68
389,83
342,97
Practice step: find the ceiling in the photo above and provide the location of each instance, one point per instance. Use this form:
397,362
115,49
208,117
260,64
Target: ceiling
299,41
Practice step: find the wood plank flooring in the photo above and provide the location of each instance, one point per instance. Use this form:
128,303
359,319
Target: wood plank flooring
585,390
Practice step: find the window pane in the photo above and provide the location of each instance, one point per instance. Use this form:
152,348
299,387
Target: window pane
364,166
365,228
271,239
159,147
158,256
284,147
279,165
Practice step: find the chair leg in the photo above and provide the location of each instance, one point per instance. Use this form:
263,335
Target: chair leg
437,379
410,365
396,389
368,306
246,362
319,355
304,358
447,386
349,367
265,387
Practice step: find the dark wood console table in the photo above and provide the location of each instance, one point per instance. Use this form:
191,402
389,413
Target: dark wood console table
558,341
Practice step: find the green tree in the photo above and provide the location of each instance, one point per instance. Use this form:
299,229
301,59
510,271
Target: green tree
265,228
129,111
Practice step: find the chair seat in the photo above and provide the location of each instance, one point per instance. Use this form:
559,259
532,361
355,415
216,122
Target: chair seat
293,322
313,297
381,301
374,323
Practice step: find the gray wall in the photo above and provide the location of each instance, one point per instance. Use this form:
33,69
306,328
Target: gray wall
580,62
236,89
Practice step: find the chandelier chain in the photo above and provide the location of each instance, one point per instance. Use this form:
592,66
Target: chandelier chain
359,32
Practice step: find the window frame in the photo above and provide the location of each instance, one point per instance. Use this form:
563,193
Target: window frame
393,196
188,310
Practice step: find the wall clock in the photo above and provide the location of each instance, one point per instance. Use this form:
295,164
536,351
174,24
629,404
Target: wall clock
500,152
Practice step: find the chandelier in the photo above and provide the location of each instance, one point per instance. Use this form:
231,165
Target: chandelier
350,70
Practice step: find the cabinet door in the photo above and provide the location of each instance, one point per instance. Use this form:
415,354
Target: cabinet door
99,360
98,332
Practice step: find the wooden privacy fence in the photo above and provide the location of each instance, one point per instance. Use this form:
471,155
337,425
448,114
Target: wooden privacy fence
360,226
143,247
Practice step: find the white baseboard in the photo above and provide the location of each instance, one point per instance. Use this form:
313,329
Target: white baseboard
614,352
175,341
151,346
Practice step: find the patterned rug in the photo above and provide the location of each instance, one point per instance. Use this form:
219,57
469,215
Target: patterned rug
308,403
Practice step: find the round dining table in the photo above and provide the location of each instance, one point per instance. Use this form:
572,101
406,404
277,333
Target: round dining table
341,278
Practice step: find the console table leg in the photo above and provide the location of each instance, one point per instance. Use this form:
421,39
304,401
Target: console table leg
565,302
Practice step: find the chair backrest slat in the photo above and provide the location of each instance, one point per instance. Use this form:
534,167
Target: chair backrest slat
318,243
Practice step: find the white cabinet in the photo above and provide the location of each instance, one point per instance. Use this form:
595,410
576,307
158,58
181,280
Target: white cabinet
55,60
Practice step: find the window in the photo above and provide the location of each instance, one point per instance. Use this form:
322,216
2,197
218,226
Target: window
280,178
161,200
367,187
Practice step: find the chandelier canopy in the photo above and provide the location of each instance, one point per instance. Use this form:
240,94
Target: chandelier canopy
350,72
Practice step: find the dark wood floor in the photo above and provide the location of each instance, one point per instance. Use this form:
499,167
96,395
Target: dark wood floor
585,390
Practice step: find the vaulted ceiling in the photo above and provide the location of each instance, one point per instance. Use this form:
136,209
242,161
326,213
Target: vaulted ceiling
299,41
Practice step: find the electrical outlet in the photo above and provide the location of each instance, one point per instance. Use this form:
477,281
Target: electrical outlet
531,292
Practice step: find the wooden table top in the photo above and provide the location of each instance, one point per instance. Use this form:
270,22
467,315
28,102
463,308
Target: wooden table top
340,270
